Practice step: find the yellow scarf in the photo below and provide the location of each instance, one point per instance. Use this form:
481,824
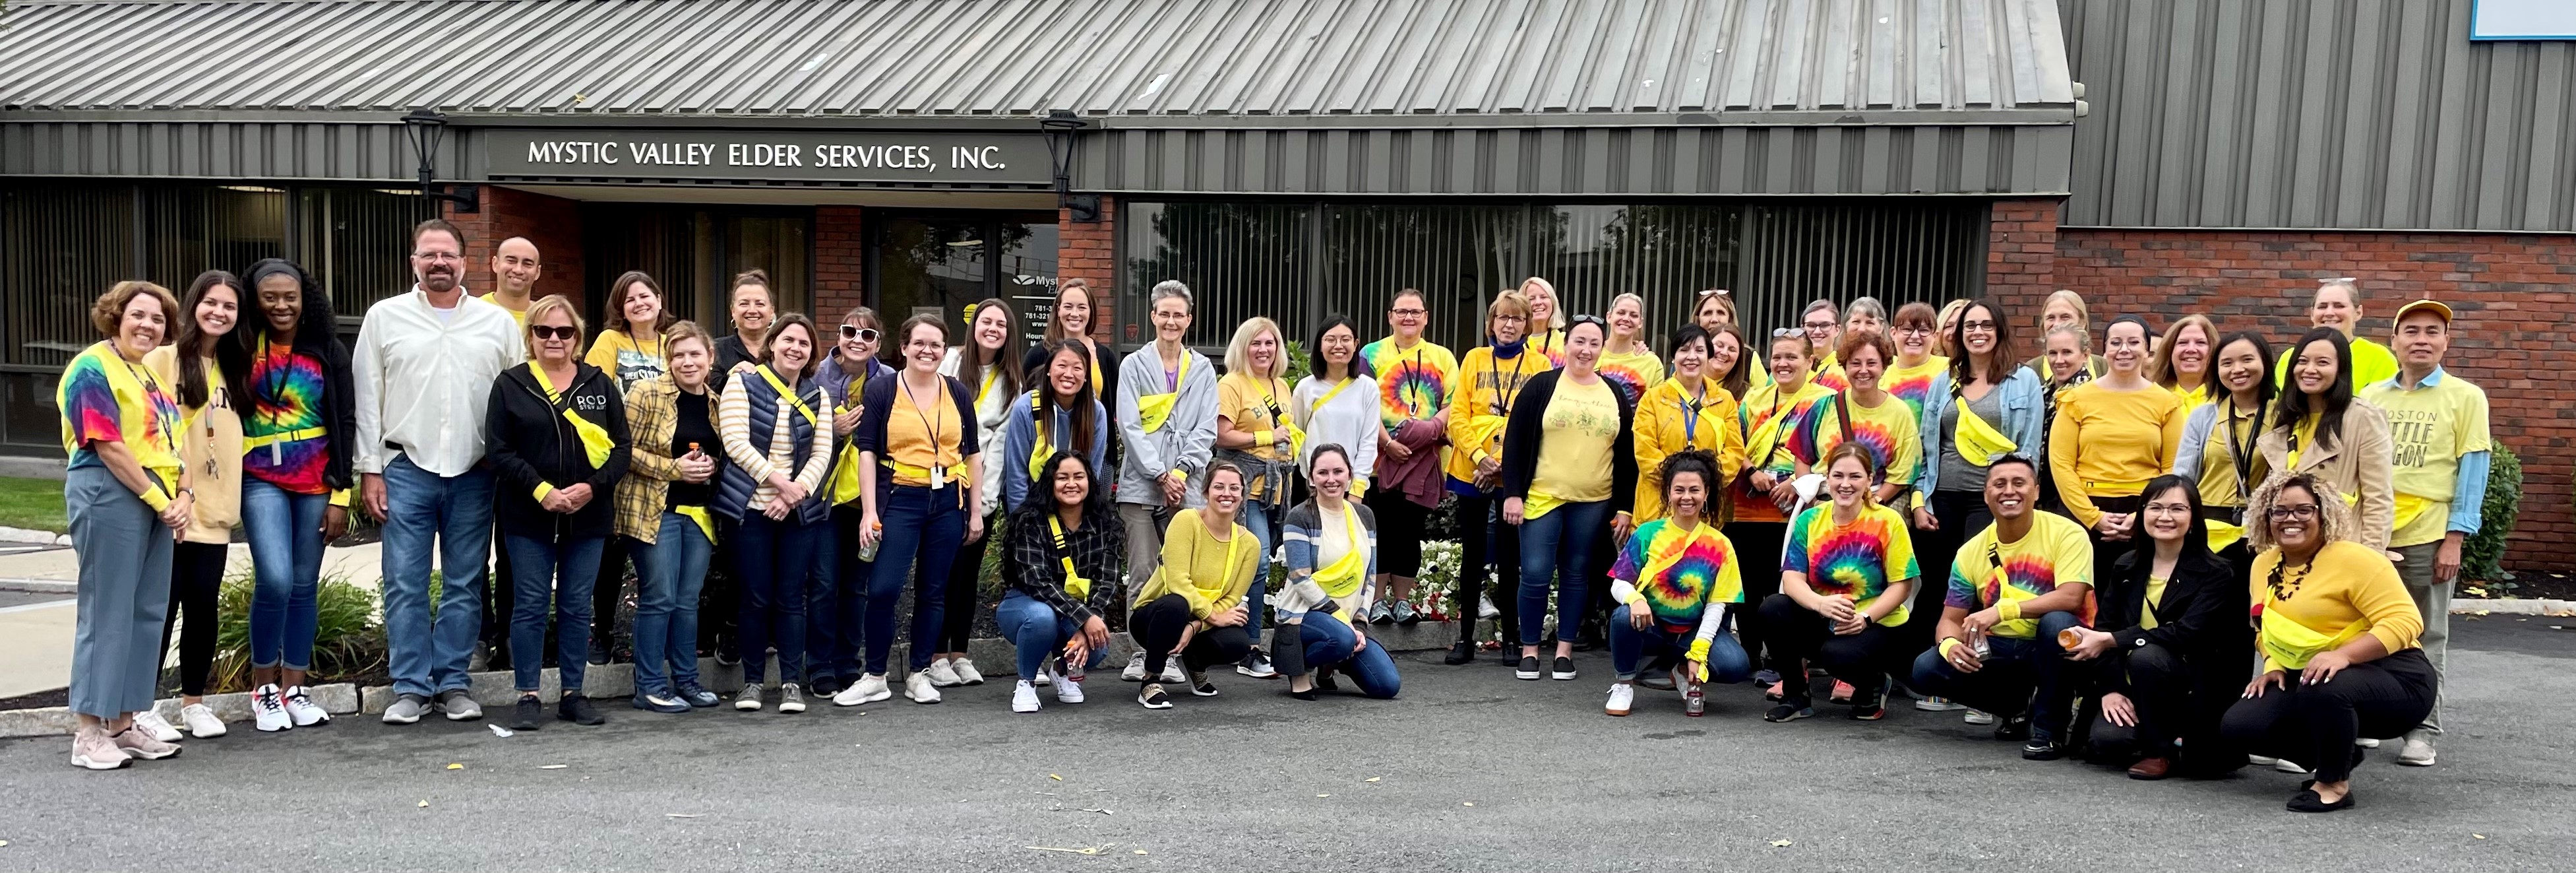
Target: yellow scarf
595,442
1342,577
1153,410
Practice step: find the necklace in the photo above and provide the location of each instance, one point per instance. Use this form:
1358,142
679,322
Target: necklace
2285,584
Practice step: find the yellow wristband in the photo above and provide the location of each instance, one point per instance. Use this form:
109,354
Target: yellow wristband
340,498
544,489
2010,610
1949,643
1698,651
156,498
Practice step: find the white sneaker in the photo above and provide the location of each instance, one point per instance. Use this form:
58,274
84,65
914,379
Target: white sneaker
201,721
268,710
1067,688
1936,704
2287,766
1043,677
1135,671
1622,695
1174,673
966,672
941,674
919,688
870,689
159,728
1257,665
2261,761
302,709
1024,697
2366,742
2419,749
1978,717
1485,608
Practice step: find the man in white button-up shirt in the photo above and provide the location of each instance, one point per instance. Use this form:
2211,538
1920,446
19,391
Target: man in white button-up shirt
425,362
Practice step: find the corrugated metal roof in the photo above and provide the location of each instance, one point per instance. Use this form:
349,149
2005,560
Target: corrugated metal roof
1139,59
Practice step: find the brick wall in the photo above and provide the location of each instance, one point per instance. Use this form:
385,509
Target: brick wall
1088,251
2021,250
840,262
553,223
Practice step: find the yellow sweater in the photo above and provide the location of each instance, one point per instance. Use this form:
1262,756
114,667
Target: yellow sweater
1481,407
2108,443
1196,566
2346,582
1667,425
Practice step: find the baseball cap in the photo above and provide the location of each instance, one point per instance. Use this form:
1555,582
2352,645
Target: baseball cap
2433,306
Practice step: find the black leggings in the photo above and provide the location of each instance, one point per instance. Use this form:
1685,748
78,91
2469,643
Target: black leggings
2175,699
1482,542
196,577
1757,548
607,593
2315,725
1798,634
965,581
1399,532
1158,627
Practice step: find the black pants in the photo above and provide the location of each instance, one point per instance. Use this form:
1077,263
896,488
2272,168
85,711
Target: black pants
720,600
497,599
1483,542
2175,698
2315,725
1757,549
965,578
196,577
607,594
1158,626
1960,514
1399,532
833,629
1798,636
2108,552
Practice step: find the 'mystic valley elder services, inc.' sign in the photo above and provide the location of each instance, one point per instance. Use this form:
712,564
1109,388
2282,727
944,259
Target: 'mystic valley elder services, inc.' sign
775,155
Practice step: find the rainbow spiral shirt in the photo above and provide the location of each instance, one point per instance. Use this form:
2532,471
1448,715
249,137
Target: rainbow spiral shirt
1914,384
1680,571
2054,552
1411,383
1632,372
286,396
1857,560
1888,431
105,398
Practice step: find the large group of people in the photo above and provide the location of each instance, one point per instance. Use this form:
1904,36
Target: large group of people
2157,557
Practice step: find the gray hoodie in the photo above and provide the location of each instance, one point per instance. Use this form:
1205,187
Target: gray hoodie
1186,440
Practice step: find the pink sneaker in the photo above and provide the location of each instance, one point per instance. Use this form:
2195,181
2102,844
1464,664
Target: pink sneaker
92,750
139,743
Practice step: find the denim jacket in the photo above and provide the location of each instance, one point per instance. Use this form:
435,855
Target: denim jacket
2022,414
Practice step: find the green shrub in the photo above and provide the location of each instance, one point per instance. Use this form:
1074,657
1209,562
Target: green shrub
348,641
2482,555
1297,369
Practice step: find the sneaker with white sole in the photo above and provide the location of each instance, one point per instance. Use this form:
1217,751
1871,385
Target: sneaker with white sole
1563,670
1978,717
791,698
301,708
1623,697
940,674
747,699
1173,672
1044,678
159,728
1024,697
966,672
1199,684
919,688
1153,697
459,705
1067,688
268,710
2261,761
140,745
201,721
2418,751
2286,765
1528,668
1256,664
406,709
2366,742
92,750
1135,671
1936,704
870,689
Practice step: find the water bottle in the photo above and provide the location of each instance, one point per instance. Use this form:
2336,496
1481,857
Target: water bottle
868,550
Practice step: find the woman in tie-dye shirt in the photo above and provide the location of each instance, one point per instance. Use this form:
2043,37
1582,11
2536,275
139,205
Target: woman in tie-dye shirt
1675,581
1415,378
1910,376
1626,360
1779,424
1868,415
1844,582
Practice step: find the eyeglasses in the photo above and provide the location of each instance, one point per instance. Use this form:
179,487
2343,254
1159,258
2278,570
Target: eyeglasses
1408,313
545,332
862,334
2294,512
437,256
1820,325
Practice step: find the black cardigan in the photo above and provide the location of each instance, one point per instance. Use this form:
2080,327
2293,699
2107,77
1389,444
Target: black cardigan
2202,617
1528,425
528,442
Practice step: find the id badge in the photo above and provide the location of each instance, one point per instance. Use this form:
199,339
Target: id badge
938,478
276,455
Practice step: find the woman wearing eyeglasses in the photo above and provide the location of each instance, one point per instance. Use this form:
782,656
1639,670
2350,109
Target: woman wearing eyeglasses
2339,638
2173,647
1822,324
836,593
1981,407
1690,411
2323,431
1415,379
1910,376
1491,381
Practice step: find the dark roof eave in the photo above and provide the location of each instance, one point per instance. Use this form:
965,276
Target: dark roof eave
1882,117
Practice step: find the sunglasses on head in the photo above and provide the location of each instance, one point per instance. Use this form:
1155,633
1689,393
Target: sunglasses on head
545,332
862,334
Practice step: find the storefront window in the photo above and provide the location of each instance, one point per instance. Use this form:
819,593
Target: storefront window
942,262
355,241
1239,259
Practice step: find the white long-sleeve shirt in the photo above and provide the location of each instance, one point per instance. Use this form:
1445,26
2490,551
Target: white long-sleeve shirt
425,379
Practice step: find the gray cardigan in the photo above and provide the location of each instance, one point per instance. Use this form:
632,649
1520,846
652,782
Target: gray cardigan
1187,439
2022,414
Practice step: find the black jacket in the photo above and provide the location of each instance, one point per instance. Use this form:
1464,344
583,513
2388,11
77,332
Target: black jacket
528,443
2202,617
1528,425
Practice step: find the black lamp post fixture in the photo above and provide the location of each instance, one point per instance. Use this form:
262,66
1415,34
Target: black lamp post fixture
426,128
1061,125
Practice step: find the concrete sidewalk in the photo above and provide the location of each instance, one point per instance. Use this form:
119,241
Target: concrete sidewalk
36,637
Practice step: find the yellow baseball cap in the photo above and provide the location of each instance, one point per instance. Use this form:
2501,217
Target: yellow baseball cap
2433,306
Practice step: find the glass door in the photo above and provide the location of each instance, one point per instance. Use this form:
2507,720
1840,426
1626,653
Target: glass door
942,262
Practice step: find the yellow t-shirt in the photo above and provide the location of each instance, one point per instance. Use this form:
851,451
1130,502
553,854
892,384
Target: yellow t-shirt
918,439
521,314
2431,427
2108,443
1254,407
2372,364
104,398
210,442
1633,371
2155,598
1889,430
627,358
1580,428
2053,552
1210,573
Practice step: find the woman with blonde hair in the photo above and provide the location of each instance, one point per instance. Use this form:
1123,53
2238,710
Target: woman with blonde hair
2183,360
1547,319
662,512
2065,309
1627,361
1254,434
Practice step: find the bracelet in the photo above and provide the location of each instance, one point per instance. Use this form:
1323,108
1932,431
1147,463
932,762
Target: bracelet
1948,644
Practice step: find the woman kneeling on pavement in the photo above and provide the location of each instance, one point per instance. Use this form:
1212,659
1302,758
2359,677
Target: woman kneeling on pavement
1062,573
1331,543
2339,637
1192,608
1677,576
1845,580
662,509
2178,645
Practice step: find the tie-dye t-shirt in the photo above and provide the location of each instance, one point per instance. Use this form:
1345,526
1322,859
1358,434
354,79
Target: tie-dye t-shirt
2054,552
1551,344
1857,560
1777,449
286,406
1888,430
1913,384
106,398
1680,571
1633,372
1829,373
1411,382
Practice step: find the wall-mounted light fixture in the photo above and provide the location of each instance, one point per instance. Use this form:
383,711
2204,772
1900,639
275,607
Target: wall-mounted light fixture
1061,126
426,129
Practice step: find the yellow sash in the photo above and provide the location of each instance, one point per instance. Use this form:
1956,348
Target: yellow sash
842,485
2304,435
1231,541
2222,534
1039,450
262,440
595,442
2290,645
706,524
1342,577
1279,420
1767,434
1074,584
790,394
1977,440
2410,508
1152,410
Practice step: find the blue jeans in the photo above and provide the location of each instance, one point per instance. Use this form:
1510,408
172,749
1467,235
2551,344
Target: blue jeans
770,560
1038,632
1557,546
824,634
1727,663
923,529
2030,675
1328,643
669,574
427,651
557,576
285,533
1257,518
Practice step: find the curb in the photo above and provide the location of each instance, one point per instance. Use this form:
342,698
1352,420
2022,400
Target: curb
33,537
40,586
234,709
2516,606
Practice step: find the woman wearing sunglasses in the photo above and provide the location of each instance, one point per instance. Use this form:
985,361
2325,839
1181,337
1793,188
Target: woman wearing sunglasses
838,584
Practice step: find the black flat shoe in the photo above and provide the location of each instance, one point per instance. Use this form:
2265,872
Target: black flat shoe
1460,652
2309,801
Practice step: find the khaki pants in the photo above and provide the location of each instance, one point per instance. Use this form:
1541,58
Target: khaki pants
2433,602
1144,527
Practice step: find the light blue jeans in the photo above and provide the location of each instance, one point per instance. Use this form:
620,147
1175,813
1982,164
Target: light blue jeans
1257,518
670,572
1038,632
427,650
285,533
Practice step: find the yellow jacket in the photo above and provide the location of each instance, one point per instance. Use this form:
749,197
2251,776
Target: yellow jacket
1482,406
1665,428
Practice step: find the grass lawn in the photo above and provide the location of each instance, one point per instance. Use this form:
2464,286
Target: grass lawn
35,504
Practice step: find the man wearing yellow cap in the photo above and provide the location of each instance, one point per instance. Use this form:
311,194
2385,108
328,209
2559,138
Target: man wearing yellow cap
2439,424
